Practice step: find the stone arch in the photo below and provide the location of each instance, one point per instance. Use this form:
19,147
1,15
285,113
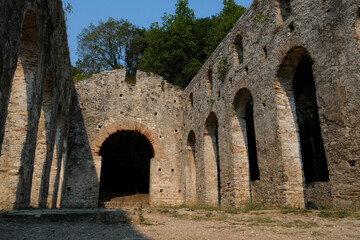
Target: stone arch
18,112
56,166
209,80
246,169
107,131
43,139
238,50
285,9
291,138
211,160
125,165
190,169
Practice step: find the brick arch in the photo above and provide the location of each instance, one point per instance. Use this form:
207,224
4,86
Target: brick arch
107,131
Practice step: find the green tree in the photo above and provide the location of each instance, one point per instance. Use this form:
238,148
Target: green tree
224,22
172,46
110,45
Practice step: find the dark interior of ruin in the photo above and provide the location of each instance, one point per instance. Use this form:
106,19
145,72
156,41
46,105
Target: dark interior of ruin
250,132
125,165
312,148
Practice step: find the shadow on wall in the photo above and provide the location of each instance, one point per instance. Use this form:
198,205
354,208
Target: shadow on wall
78,192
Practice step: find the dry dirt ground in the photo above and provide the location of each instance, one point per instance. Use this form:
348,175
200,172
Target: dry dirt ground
186,223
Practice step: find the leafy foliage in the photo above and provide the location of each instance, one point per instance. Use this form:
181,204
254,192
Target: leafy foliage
172,46
228,16
175,49
110,45
178,48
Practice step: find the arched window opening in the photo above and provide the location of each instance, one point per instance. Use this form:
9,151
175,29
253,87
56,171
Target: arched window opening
212,160
191,99
244,144
312,147
239,53
251,140
56,162
43,138
18,111
302,149
209,81
125,168
191,169
285,8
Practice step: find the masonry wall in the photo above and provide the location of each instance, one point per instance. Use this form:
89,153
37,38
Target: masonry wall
259,55
36,83
106,104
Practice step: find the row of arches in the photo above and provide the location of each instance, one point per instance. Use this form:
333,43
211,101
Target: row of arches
299,133
34,135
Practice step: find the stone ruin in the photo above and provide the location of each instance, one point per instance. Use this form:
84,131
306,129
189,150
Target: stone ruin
202,145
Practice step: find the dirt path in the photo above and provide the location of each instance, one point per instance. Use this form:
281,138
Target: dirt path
185,224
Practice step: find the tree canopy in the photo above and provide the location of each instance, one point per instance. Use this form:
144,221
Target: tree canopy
175,49
110,45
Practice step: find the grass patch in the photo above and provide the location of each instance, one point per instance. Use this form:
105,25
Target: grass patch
317,234
289,209
334,214
299,224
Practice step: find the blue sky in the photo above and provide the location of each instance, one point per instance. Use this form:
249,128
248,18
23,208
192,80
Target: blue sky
138,12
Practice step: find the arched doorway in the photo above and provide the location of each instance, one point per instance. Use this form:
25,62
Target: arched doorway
125,168
244,145
212,160
190,169
302,149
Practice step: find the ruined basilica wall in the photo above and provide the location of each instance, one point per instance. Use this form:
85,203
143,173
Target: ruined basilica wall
105,104
273,37
35,90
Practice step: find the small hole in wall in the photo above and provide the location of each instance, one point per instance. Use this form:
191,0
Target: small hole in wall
228,184
179,191
219,94
174,101
177,115
264,104
159,169
121,112
230,81
265,52
122,81
90,189
160,136
351,163
161,190
92,167
172,170
271,179
246,70
176,130
69,188
291,27
155,113
121,95
328,11
159,86
152,99
99,126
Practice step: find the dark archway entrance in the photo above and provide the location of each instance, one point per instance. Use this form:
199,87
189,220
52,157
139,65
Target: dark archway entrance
312,147
125,168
